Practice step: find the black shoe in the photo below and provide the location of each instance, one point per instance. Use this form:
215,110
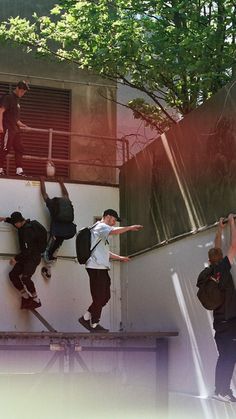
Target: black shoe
29,303
26,303
45,273
35,304
99,329
2,173
85,323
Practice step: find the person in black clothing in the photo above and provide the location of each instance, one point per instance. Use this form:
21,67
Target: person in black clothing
59,230
225,315
10,125
25,263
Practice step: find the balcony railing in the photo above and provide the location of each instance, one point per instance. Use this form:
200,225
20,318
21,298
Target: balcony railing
120,158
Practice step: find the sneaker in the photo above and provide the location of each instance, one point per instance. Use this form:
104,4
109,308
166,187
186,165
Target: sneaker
2,173
29,303
35,304
45,272
85,323
22,174
99,329
227,398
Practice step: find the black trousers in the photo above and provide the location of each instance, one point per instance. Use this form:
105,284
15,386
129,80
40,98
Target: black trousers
11,140
54,243
100,284
226,345
21,274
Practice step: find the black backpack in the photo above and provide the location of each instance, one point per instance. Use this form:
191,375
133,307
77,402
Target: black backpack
83,244
63,210
210,293
40,235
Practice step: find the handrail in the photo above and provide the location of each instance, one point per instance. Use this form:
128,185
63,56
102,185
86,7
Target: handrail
97,163
74,133
174,239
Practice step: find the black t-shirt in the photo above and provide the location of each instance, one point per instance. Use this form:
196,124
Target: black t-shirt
228,310
57,228
11,104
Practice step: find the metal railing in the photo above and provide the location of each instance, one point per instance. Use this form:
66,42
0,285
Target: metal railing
51,132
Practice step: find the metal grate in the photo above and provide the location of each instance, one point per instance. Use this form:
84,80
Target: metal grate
44,107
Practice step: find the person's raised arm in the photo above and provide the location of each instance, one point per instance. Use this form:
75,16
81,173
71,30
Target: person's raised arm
232,248
43,189
218,236
2,110
63,189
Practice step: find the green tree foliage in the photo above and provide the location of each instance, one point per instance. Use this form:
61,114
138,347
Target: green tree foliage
177,52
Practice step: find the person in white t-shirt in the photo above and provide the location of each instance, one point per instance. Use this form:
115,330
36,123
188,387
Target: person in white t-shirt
98,266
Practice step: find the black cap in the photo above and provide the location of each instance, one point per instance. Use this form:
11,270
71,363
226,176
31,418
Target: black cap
111,212
22,84
16,217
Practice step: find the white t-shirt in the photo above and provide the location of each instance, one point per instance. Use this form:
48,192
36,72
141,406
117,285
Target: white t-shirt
100,256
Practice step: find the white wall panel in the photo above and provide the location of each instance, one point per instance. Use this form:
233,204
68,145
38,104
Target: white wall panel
159,293
66,296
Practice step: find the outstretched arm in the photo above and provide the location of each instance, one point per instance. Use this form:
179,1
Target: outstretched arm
232,248
43,189
121,230
21,124
63,188
6,219
114,256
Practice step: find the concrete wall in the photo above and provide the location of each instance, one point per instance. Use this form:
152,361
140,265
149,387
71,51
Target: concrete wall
66,296
159,293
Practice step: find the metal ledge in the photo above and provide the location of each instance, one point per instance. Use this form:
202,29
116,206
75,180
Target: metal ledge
86,335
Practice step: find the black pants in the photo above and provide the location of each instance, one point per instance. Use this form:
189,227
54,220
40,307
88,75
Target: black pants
226,345
8,140
21,274
100,284
53,244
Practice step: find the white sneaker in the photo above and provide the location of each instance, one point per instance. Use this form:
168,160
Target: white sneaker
46,272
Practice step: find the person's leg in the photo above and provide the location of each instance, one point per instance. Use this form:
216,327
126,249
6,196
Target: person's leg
15,276
5,147
54,245
226,345
19,150
28,270
100,292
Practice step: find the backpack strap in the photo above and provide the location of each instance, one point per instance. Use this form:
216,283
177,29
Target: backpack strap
94,247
